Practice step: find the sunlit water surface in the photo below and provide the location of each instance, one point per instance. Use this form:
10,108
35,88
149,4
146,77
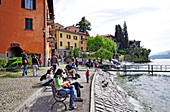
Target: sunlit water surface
152,91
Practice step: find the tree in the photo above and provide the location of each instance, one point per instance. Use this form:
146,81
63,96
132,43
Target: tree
104,54
121,36
71,53
125,32
84,25
84,55
76,52
102,46
95,43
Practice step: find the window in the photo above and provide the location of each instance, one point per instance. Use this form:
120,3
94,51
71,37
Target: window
68,36
61,43
81,42
28,4
28,23
60,35
68,43
75,45
0,1
75,37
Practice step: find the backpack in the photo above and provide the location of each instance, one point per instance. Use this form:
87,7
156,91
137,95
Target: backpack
87,73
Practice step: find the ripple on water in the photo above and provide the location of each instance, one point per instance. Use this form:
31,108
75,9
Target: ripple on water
152,91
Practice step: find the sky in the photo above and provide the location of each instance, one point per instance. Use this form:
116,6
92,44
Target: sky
147,21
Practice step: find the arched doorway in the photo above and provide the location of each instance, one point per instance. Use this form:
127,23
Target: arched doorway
14,52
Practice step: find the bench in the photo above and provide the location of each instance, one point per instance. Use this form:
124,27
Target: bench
60,96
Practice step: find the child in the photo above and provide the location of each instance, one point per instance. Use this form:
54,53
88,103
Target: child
87,75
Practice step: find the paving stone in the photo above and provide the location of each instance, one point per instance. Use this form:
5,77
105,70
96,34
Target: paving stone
99,109
100,106
109,109
113,99
99,102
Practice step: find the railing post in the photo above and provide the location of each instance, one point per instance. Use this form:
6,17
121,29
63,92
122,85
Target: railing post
148,69
152,69
165,68
124,68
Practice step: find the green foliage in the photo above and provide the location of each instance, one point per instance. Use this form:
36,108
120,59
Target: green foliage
102,54
102,46
11,75
12,69
15,61
95,43
71,53
84,25
3,62
122,51
135,54
76,52
84,55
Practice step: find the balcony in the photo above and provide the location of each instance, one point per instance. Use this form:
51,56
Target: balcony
50,39
69,47
50,21
52,31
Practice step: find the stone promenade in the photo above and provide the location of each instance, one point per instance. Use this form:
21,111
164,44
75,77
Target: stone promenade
45,100
108,97
100,95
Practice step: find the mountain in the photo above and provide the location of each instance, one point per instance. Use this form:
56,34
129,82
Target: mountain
161,55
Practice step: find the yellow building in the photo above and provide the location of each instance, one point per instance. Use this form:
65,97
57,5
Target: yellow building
67,38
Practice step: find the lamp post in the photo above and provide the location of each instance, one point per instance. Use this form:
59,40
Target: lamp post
44,36
44,31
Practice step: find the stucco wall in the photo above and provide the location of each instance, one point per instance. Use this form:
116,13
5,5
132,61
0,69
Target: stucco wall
12,26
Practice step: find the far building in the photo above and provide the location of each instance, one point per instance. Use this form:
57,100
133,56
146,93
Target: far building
110,36
68,38
135,43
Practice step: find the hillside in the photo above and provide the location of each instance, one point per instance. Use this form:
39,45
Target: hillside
161,55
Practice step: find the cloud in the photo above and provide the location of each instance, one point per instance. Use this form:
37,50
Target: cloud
147,20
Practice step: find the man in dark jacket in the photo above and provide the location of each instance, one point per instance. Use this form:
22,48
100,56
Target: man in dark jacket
54,62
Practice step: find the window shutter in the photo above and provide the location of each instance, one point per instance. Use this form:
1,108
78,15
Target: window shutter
22,3
34,4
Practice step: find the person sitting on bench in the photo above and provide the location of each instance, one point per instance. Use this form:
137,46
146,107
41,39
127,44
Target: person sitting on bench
77,85
48,77
65,85
70,71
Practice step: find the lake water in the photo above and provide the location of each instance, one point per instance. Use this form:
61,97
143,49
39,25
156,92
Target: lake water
153,92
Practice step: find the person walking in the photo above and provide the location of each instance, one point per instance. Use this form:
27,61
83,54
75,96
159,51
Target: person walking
25,63
54,62
40,61
35,65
